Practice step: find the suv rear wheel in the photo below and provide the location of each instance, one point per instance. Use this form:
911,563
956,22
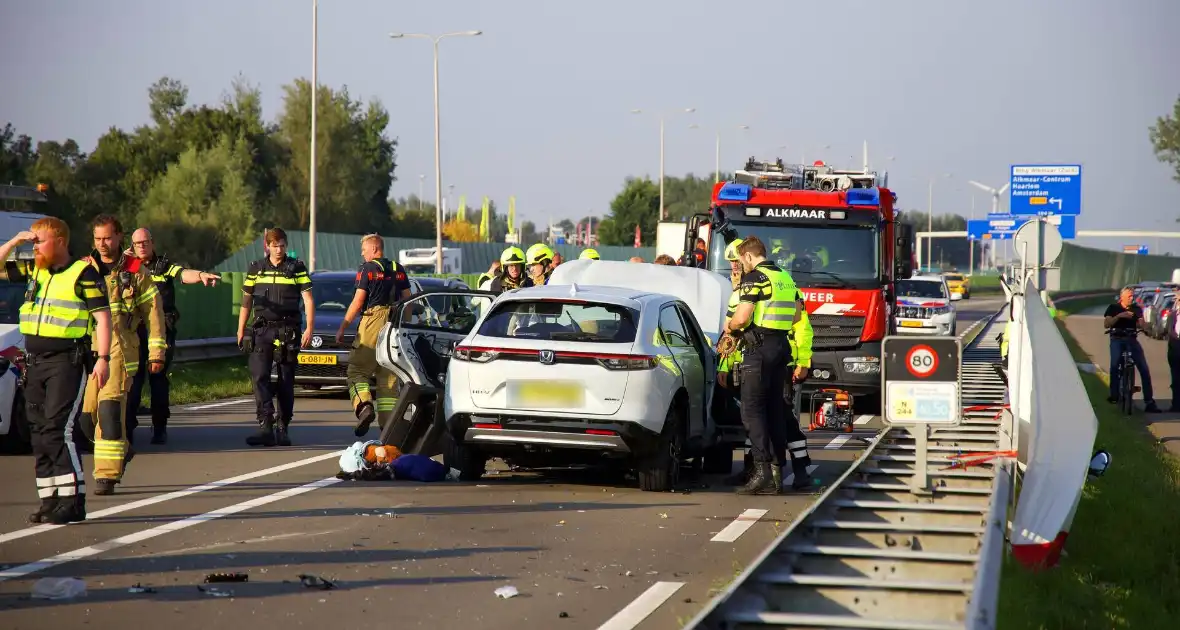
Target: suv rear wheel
468,460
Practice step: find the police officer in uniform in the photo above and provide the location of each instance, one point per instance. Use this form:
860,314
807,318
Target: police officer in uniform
272,288
768,306
133,298
164,273
65,309
787,436
379,283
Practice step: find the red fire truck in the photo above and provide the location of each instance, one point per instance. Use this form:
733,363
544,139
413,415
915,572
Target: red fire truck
837,233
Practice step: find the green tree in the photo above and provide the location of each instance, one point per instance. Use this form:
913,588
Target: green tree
355,161
411,219
686,196
202,209
637,204
1165,139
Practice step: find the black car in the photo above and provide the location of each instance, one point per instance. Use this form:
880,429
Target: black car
325,362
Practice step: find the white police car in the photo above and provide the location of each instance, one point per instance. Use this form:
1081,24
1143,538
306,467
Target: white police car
924,306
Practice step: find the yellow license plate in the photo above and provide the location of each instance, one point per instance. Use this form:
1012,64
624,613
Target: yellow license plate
911,324
317,359
548,394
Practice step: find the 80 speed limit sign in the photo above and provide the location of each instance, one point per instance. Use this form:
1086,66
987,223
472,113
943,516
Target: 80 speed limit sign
921,361
921,380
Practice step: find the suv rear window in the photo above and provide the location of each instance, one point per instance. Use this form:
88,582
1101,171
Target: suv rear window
565,320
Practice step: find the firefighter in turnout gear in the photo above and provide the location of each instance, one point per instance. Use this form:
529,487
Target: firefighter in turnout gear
273,289
539,259
133,298
786,435
64,311
512,274
379,283
769,305
165,274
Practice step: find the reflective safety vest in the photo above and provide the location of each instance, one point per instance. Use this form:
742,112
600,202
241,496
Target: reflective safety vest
799,339
1004,339
57,309
777,313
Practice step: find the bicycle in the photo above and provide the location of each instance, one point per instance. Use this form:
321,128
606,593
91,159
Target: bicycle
1126,367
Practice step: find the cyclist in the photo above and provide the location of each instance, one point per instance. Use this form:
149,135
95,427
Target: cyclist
1124,318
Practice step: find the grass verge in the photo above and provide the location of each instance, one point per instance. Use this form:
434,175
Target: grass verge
1123,564
201,381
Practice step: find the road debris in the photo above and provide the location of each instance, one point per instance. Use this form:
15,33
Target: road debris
58,588
138,588
315,581
216,578
507,592
214,592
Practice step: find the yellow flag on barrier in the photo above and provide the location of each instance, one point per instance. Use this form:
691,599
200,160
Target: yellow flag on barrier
511,215
483,221
461,215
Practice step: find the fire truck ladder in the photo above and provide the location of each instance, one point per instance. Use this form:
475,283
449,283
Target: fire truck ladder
871,554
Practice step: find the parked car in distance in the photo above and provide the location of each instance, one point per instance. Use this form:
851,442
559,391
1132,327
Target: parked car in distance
925,306
958,284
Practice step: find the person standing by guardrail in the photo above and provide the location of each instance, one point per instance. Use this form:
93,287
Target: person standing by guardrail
272,289
767,308
1124,318
380,283
59,321
164,273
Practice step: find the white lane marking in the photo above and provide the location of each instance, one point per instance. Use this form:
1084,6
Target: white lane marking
179,494
791,477
220,404
863,419
130,539
838,441
644,605
734,530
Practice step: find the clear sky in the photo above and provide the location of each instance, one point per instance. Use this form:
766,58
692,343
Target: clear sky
538,106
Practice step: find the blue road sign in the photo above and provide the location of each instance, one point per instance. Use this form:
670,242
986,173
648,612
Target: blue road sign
1004,226
976,229
1045,189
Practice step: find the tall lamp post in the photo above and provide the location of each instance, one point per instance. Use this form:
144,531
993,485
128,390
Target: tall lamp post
437,143
686,110
717,151
315,12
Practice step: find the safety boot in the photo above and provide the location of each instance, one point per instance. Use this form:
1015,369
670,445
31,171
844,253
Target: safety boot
47,506
761,481
365,414
802,480
282,436
68,510
776,473
104,487
265,436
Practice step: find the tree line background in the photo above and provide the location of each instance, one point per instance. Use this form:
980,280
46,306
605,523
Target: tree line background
207,179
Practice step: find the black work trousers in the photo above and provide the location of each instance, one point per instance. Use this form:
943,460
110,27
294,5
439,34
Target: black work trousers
267,352
790,438
1174,368
54,388
764,375
159,384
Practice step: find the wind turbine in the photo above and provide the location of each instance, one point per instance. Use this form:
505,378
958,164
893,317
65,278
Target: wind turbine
994,193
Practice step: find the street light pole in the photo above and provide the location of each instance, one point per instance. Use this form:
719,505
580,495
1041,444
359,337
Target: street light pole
686,110
315,11
435,39
421,183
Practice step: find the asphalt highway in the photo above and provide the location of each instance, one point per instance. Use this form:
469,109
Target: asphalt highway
582,550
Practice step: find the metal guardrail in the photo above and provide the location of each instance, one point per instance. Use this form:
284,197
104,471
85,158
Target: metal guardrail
188,350
870,554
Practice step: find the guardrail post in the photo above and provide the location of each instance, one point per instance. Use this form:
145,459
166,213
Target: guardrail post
920,484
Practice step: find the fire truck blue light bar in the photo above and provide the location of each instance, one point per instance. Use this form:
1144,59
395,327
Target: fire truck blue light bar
734,192
863,197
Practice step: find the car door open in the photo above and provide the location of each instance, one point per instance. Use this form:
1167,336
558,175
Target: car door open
416,345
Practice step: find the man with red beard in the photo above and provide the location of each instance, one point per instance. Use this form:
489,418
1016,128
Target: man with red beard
65,308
